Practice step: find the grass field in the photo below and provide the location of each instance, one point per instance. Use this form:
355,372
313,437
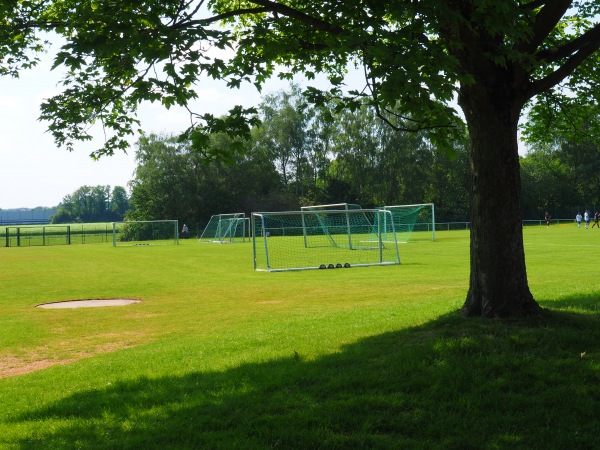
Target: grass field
220,356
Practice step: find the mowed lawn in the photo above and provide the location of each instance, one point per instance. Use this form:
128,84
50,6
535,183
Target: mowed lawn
217,355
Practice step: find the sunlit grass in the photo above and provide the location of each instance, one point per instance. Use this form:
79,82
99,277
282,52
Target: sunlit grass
220,356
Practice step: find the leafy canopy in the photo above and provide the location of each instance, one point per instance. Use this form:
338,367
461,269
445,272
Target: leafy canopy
416,57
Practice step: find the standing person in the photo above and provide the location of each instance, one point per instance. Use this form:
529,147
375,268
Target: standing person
578,219
596,218
547,217
586,218
184,231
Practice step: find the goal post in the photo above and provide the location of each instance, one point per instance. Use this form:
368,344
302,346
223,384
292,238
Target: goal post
303,240
321,218
145,232
226,228
411,219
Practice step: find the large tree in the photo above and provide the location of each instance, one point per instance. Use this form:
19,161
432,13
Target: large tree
284,133
418,56
172,180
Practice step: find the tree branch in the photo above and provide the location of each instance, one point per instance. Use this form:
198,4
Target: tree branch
556,54
545,22
265,7
217,18
418,125
590,46
287,11
532,5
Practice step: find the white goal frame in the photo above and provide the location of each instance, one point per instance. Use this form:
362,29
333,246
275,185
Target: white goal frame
330,207
223,228
430,225
279,241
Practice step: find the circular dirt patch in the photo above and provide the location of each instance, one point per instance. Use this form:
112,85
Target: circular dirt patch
92,303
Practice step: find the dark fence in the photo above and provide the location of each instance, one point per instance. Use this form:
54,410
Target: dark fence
43,235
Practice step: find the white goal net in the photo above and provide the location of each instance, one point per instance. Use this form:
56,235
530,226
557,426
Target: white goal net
309,239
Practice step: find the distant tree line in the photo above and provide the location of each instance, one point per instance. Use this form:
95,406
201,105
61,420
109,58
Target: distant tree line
303,155
562,178
93,204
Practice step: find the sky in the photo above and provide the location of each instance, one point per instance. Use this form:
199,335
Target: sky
35,172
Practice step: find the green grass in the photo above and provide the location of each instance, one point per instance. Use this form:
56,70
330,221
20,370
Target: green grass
220,356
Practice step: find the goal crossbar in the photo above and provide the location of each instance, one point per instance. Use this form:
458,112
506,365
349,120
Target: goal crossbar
408,218
226,228
303,240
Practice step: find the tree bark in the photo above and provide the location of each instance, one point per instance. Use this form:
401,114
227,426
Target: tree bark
498,286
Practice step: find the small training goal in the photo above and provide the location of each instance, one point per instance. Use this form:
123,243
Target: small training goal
146,232
323,239
226,228
413,222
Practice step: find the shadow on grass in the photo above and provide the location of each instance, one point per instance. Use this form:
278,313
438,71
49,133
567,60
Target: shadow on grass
586,302
451,383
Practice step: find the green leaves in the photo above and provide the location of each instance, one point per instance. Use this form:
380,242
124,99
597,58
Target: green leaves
416,55
19,42
236,125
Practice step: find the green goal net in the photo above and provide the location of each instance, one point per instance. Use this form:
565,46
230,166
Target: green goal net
226,228
413,222
319,223
308,239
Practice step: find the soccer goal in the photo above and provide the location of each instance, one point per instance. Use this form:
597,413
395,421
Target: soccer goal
332,206
323,239
413,222
146,232
324,221
226,228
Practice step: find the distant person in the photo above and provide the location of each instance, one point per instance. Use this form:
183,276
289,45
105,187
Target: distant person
586,218
547,217
184,231
578,218
596,219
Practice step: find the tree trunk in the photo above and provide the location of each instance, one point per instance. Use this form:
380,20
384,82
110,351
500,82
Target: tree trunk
498,286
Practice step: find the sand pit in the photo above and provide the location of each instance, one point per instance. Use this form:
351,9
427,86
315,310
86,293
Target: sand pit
91,303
